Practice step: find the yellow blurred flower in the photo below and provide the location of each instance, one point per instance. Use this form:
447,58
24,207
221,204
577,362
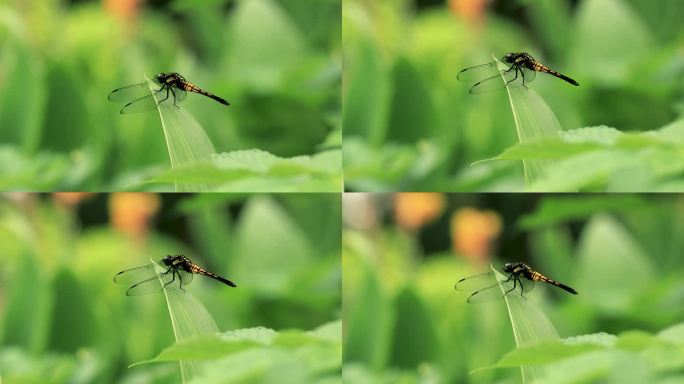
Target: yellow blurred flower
414,210
473,232
130,213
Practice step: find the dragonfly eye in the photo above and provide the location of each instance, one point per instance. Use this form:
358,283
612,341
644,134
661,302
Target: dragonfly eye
508,267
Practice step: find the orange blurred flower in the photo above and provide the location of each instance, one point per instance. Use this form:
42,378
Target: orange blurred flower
71,199
414,210
471,10
130,213
126,10
473,232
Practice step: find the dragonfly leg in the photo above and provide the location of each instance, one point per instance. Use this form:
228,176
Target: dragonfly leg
515,78
174,101
173,276
178,272
515,281
523,77
522,290
167,94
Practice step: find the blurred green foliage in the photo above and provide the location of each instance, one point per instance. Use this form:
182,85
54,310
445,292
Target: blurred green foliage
62,319
278,62
405,323
410,125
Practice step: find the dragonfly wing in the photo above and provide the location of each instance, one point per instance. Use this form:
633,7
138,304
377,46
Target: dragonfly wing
131,92
490,84
134,275
474,282
166,280
478,72
151,285
140,105
180,94
518,78
488,293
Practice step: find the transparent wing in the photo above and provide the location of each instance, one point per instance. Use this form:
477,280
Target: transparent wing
475,282
134,275
484,287
180,94
513,77
129,93
173,279
145,279
478,72
142,104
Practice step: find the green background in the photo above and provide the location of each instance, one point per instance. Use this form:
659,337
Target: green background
410,125
62,319
405,323
276,61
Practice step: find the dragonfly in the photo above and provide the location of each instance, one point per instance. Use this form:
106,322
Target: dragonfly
173,88
522,70
179,272
520,277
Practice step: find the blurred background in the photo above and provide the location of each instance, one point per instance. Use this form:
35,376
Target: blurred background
403,253
62,319
410,125
277,62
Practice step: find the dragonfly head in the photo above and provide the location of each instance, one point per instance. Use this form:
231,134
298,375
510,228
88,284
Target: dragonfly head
508,267
509,58
162,77
167,260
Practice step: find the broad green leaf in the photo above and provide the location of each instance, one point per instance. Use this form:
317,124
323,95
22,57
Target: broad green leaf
259,56
269,263
542,353
27,307
533,119
624,40
253,355
369,326
42,171
71,306
530,326
190,320
674,333
608,253
557,210
186,141
257,170
415,339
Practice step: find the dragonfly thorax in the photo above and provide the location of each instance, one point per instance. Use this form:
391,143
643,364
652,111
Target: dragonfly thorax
515,267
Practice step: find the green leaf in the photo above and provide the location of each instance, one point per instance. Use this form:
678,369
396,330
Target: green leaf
190,320
260,56
542,353
269,265
254,354
256,170
606,247
530,326
557,210
25,325
369,326
186,141
533,119
624,40
414,339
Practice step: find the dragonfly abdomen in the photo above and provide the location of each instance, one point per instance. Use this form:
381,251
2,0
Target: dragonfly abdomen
539,67
536,276
201,271
190,87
